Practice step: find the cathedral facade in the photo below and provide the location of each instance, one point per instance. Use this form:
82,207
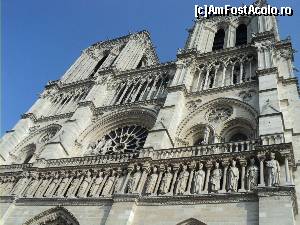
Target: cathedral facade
210,138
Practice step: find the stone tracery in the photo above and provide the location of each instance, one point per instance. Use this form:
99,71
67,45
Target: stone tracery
141,89
229,71
121,140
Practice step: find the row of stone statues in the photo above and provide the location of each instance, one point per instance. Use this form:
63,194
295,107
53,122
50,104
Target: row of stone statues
176,179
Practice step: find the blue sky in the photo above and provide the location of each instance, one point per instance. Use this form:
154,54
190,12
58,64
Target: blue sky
40,39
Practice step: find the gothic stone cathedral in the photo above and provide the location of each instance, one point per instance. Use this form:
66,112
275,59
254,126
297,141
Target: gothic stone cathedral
122,139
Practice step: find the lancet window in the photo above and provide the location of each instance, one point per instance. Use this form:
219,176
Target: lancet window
241,35
219,40
141,89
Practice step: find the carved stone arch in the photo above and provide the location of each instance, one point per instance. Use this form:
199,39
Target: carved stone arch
196,135
191,221
242,20
37,136
24,155
237,126
53,216
135,116
220,25
200,114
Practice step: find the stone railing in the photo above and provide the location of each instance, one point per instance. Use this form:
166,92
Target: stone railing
272,139
211,149
92,160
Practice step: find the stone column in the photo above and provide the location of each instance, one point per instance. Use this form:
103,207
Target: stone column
243,164
124,92
225,165
208,168
138,90
287,171
175,169
206,80
189,186
261,171
241,72
198,82
215,76
224,75
250,70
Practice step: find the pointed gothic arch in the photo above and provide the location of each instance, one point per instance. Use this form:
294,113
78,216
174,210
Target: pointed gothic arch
215,114
219,40
191,221
54,216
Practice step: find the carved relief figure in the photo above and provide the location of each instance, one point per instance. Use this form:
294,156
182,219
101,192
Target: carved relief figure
152,182
91,149
29,191
273,171
215,179
74,184
7,184
109,184
134,180
199,179
252,175
100,145
182,180
96,185
22,182
120,181
52,186
233,177
84,186
166,181
42,187
63,185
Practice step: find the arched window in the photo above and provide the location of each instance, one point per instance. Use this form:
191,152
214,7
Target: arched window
142,63
241,35
238,137
219,40
211,79
236,74
28,157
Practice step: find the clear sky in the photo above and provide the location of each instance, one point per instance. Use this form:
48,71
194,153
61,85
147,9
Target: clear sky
40,39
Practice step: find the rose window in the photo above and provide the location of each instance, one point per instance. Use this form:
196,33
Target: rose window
121,140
